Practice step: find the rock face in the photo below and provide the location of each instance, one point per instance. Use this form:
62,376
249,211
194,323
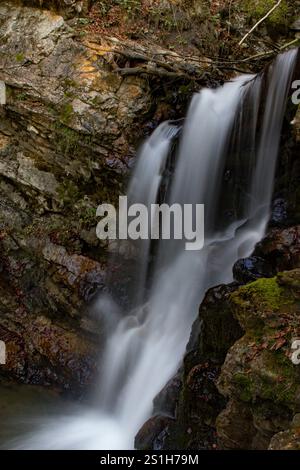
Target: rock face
258,376
68,8
68,102
66,135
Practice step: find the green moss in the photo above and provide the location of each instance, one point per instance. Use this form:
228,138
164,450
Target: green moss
259,306
244,385
9,91
277,380
69,82
86,213
258,8
282,393
68,193
69,94
68,140
132,7
290,279
72,143
66,112
264,293
20,57
268,310
83,21
21,96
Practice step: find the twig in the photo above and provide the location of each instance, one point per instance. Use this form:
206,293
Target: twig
260,21
294,41
268,53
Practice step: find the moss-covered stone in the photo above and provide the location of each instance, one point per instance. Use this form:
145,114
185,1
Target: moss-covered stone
264,292
258,370
288,439
256,304
258,8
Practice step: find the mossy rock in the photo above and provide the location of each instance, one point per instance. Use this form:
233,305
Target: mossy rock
270,376
289,439
259,8
260,303
258,368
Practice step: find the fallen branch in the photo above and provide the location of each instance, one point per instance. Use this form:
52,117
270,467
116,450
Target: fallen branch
180,69
260,21
148,70
159,72
262,55
161,64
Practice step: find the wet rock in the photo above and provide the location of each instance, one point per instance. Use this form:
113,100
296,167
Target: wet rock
15,353
279,214
215,329
289,439
42,352
166,401
64,349
281,248
296,125
258,375
248,269
74,268
153,433
203,396
47,341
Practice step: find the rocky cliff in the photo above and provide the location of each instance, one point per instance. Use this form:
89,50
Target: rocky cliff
68,133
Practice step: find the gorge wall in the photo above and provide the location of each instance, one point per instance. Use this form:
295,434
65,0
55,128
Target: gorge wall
66,137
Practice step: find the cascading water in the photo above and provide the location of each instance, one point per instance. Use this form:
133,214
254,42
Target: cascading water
147,345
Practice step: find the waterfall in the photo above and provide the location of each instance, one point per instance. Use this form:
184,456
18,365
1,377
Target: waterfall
236,126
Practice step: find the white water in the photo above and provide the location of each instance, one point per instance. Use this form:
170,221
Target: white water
146,346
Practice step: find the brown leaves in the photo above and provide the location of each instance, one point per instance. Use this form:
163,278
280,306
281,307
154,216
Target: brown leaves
271,342
278,344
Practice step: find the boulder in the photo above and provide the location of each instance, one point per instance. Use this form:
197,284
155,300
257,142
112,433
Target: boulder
280,248
248,269
258,376
153,433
